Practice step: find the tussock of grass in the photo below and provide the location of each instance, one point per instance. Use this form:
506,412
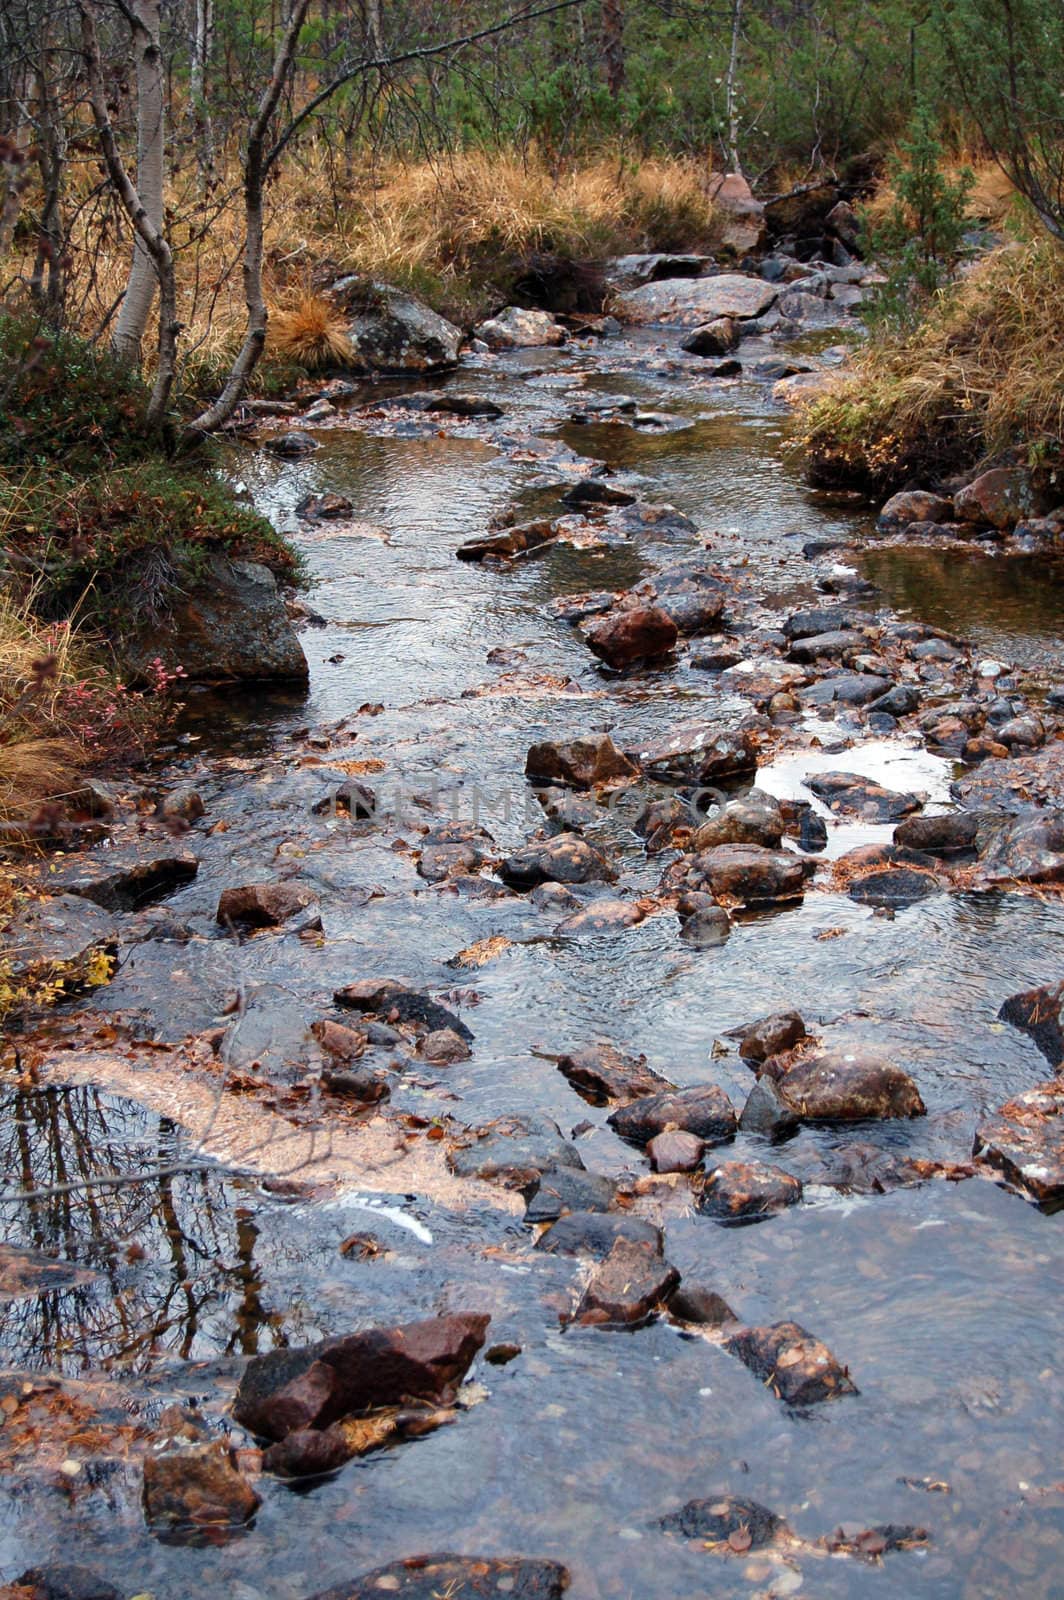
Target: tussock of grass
40,757
982,374
309,330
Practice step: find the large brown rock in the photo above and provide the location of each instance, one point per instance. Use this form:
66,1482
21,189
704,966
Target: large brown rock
741,1191
738,218
565,859
233,625
797,1367
464,1577
578,763
999,498
844,1086
748,874
262,905
849,795
626,1288
198,1488
316,1385
637,633
600,1073
705,1111
1040,1013
753,819
700,752
913,505
690,302
1024,1138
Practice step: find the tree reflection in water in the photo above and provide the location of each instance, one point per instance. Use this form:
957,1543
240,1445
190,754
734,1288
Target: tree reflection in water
174,1256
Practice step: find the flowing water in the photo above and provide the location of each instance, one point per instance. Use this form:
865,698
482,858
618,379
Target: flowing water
941,1299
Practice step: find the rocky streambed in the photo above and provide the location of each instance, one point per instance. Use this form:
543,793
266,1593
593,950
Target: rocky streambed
587,1064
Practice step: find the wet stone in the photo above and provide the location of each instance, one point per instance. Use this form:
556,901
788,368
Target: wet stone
594,492
692,1302
518,1156
601,1073
771,1036
716,338
1013,784
822,646
580,763
508,542
443,1047
192,1490
456,847
394,1002
1024,1138
675,1152
1040,1013
601,916
895,887
594,1233
847,794
797,1367
1028,848
725,1517
702,926
349,1084
844,1086
951,834
569,812
465,1577
65,1583
847,688
705,1111
820,620
741,1191
349,799
263,905
59,940
753,819
566,859
701,753
625,637
627,1288
900,701
313,1386
749,874
565,1189
765,1112
308,1453
123,879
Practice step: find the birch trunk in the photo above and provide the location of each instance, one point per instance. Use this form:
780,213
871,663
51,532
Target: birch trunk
151,133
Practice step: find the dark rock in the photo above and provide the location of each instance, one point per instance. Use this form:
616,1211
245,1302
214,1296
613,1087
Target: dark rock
67,940
893,887
870,1544
195,1489
693,1303
729,368
469,1577
675,1152
594,1233
748,874
567,1189
847,794
566,859
454,847
183,804
693,595
262,905
1024,1138
738,1191
703,924
705,1111
844,1086
753,819
846,688
797,1367
802,211
950,834
627,1287
639,633
325,507
917,505
449,405
715,1520
389,331
1040,1013
516,1157
313,1386
293,444
391,999
508,542
897,702
766,1113
820,646
349,799
601,1074
308,1453
350,1084
700,753
821,620
1028,848
595,492
568,811
716,338
1021,733
231,625
65,1583
771,1036
124,879
580,763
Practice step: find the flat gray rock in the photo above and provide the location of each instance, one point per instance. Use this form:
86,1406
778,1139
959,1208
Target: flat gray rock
690,302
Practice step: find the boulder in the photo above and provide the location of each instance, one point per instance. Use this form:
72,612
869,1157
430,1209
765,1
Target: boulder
738,219
849,795
594,1233
193,1490
703,924
313,1386
1024,1139
67,940
676,1151
700,753
692,302
748,874
565,1189
913,505
817,619
517,1156
726,1519
771,1036
797,1367
627,1288
232,625
601,1074
636,633
628,272
126,878
716,338
564,859
844,1086
389,331
1028,848
448,405
263,905
754,819
705,1111
999,498
468,1577
517,329
744,1191
580,763
1040,1013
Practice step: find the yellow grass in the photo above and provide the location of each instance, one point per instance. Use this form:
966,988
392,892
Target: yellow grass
309,330
38,758
984,372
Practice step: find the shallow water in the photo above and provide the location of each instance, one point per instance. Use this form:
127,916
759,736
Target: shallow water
941,1299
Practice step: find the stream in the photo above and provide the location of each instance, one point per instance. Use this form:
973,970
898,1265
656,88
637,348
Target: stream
430,680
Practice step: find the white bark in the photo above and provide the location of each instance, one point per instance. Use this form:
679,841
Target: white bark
732,89
151,136
202,43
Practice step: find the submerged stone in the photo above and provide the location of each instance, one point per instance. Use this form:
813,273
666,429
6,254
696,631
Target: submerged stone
847,1086
627,1288
1040,1013
432,1577
193,1490
601,1074
743,1191
1024,1138
797,1367
580,763
724,1517
566,859
847,794
565,1189
594,1233
516,1156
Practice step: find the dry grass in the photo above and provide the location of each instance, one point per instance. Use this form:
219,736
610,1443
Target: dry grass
983,373
308,329
992,200
39,757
